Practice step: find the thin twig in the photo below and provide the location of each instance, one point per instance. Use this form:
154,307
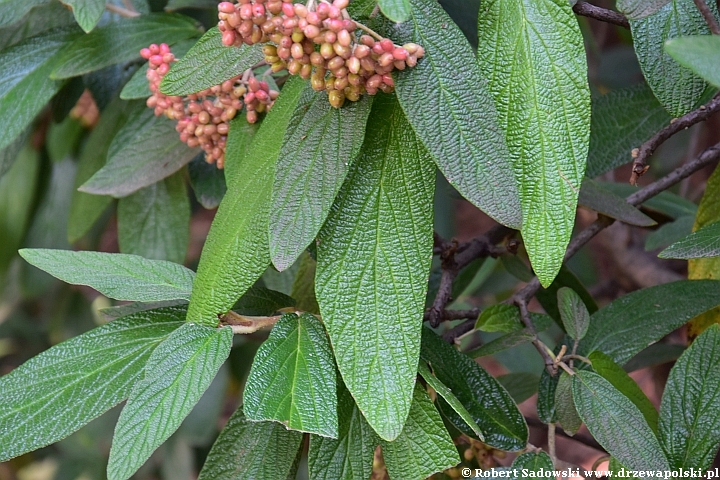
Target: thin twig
708,16
604,15
472,313
550,364
123,12
458,331
580,438
243,325
641,154
551,443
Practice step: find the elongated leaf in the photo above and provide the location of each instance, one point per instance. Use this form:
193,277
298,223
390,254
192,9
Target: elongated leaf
87,12
532,53
395,10
303,288
154,222
262,301
11,152
449,397
424,447
248,450
566,412
700,244
57,392
670,233
116,275
490,405
574,313
113,313
699,53
121,41
510,340
603,201
13,10
636,9
292,379
616,423
350,456
613,373
668,203
26,88
566,278
40,18
539,462
177,374
137,87
320,144
622,120
236,251
374,255
690,409
208,182
677,88
146,150
520,385
451,110
207,64
499,318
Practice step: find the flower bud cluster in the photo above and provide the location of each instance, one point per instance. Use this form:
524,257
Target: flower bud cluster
203,118
319,43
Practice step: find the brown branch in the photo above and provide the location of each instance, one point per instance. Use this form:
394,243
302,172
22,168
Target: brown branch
602,14
458,330
472,313
708,16
550,364
641,154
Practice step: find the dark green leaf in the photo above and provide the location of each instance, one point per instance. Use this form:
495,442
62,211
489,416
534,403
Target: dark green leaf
546,397
303,288
208,182
137,87
613,373
700,53
62,138
520,385
670,233
40,18
57,392
87,12
499,318
700,244
424,446
548,296
655,354
539,462
395,10
350,457
248,450
566,412
261,301
115,275
532,53
378,232
603,201
616,423
293,379
11,152
622,120
113,313
677,88
154,222
490,405
635,9
178,4
319,145
240,137
209,63
690,409
452,112
236,251
13,10
121,41
510,340
630,323
146,150
573,312
177,373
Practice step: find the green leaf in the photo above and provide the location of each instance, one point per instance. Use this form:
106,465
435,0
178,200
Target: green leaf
154,222
240,137
510,340
208,182
539,462
452,113
146,150
636,9
396,10
26,88
87,12
449,397
616,423
121,41
700,244
613,373
374,254
248,450
350,456
603,201
667,203
303,288
499,318
490,405
236,251
424,447
566,412
670,233
532,54
12,11
115,275
520,385
574,313
677,88
630,323
177,373
622,120
655,354
690,409
292,379
262,301
546,408
700,53
57,392
178,4
566,278
137,87
11,152
320,144
209,63
40,18
113,313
